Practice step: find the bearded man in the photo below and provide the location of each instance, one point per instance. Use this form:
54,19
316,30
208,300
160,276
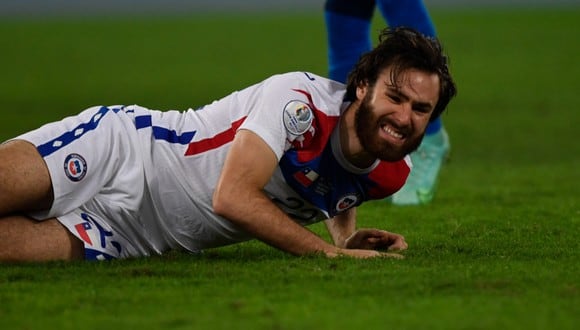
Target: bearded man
261,163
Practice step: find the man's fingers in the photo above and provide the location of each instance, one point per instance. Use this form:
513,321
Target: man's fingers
398,245
390,243
374,240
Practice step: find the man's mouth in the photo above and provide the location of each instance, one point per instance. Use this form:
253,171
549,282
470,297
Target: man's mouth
392,132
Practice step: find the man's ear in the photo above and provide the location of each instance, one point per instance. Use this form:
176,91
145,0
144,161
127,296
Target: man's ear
361,90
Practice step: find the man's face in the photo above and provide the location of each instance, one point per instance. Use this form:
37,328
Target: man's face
392,118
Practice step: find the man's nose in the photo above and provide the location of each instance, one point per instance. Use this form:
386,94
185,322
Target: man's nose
403,114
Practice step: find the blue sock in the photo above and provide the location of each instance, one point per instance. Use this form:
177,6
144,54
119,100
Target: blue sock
409,13
413,14
434,126
348,26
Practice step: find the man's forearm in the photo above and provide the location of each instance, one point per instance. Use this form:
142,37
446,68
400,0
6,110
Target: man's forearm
262,219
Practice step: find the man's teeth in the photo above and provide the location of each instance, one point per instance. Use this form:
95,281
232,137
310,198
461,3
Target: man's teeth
391,132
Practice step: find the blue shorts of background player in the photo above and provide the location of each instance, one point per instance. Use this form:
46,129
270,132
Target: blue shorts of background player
348,24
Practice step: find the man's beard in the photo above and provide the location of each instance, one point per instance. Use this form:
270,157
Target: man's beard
367,126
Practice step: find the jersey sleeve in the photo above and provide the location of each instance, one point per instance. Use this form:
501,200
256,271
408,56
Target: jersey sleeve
280,111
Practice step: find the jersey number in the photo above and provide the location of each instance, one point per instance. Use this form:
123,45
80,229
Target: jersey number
296,209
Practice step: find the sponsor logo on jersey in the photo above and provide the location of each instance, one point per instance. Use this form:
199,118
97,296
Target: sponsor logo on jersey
346,202
297,117
75,167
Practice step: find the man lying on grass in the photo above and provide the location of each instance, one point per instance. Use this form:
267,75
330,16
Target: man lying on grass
263,162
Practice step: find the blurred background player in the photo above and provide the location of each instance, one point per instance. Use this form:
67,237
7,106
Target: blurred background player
348,24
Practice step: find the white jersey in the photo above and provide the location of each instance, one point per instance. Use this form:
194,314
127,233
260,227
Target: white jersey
130,181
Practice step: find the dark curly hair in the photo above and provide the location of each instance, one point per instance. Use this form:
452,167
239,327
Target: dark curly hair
402,49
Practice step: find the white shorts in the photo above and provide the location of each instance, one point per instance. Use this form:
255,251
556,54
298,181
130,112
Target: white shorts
95,160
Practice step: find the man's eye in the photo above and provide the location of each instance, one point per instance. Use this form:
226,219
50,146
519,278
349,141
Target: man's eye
394,98
421,109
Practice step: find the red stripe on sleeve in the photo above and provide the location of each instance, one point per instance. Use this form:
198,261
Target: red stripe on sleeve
214,142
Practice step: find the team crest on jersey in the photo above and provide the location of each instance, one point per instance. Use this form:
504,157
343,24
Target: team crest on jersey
346,202
75,167
297,117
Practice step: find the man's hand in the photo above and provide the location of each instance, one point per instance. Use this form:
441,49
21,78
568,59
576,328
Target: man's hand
375,239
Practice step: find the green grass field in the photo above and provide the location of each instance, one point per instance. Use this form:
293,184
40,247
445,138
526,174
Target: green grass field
497,249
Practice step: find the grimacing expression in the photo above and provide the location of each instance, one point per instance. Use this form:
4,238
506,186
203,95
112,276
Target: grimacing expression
391,119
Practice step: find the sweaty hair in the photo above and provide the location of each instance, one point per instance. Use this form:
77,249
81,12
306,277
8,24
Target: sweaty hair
402,49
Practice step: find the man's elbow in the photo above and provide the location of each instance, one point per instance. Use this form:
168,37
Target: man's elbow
236,205
221,203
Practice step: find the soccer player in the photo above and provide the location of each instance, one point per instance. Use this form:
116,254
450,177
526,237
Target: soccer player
262,163
348,25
